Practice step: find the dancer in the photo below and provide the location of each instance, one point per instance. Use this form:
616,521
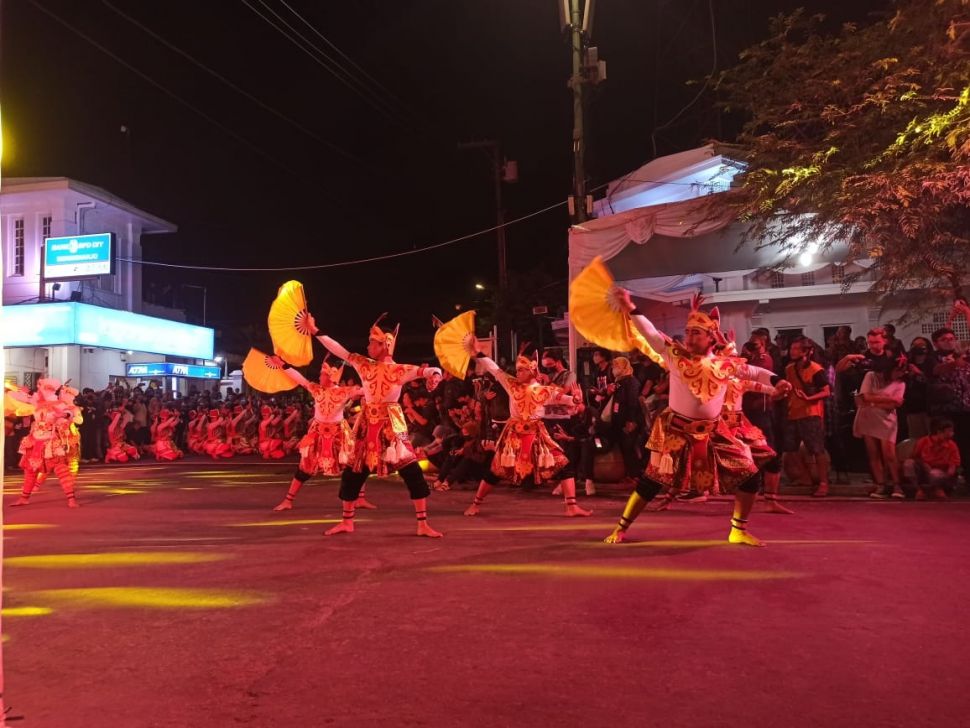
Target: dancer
196,431
119,449
291,429
270,442
164,445
525,448
217,436
328,445
381,435
690,444
239,426
50,446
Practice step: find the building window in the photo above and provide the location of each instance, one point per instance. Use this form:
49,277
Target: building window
808,279
45,226
942,319
17,252
777,279
838,273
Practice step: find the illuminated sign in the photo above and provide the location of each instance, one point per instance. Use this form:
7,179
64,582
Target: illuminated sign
52,324
78,256
171,369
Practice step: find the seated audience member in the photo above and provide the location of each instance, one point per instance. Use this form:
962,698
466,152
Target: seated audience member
933,465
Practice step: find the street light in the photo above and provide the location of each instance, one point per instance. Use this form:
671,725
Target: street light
480,286
224,365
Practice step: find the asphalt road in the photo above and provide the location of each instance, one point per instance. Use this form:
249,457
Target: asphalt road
174,597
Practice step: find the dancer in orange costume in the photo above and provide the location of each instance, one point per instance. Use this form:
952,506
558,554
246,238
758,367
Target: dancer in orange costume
164,444
239,426
381,437
690,444
328,445
52,445
291,429
525,449
119,449
217,436
270,442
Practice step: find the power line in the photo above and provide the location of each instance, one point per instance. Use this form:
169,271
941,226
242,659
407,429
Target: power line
345,263
347,58
343,76
164,89
266,107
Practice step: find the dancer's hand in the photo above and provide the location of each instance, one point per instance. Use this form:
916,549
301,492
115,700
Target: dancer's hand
312,324
623,299
783,387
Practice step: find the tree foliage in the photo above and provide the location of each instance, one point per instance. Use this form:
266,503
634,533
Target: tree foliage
862,134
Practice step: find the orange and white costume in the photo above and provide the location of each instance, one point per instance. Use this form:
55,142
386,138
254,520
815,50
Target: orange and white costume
525,447
270,434
328,446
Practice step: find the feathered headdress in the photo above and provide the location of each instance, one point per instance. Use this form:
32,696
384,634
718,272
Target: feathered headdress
388,338
697,319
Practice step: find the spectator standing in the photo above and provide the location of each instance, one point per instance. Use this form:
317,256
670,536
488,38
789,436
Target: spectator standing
627,418
806,409
879,397
949,388
916,401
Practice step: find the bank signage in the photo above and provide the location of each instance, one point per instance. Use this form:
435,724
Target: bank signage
170,369
79,256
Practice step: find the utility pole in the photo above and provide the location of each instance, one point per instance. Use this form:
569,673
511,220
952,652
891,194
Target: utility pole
576,16
498,171
579,139
502,171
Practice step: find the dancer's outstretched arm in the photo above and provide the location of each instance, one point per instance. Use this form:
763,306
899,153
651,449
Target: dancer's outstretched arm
657,339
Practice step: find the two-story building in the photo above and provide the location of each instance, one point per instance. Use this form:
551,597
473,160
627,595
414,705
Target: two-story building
659,240
88,330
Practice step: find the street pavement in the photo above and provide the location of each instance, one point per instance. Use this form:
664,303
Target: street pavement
174,597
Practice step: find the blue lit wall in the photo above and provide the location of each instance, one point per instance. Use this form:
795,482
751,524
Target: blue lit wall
52,324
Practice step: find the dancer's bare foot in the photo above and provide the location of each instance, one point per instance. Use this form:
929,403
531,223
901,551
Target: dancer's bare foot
618,536
472,510
743,537
775,506
573,511
72,503
21,501
364,503
425,530
342,527
284,505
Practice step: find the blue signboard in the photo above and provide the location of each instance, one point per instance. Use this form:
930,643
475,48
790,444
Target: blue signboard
171,369
78,256
52,324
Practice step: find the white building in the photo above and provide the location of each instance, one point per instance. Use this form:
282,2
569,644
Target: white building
85,330
658,240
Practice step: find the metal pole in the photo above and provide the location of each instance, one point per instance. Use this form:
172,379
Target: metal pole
577,82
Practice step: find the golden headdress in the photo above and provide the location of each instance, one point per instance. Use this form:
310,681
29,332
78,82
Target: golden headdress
697,319
335,373
527,362
388,338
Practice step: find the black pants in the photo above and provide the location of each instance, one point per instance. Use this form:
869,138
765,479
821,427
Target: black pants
629,448
580,453
352,481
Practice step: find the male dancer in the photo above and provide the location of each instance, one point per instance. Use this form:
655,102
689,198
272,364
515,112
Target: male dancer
525,448
381,434
50,445
690,444
329,443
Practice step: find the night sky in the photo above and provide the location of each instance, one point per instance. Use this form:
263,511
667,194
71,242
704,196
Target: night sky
367,175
